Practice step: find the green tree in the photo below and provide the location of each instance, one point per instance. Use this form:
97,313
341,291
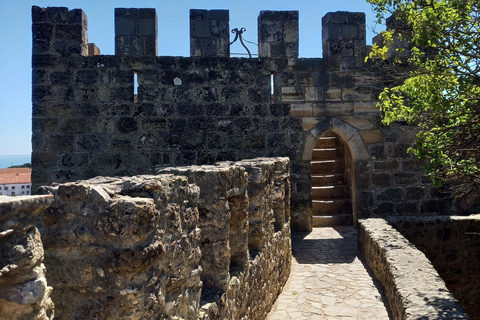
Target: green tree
25,165
436,83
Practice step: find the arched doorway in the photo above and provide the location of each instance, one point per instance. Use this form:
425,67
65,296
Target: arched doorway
331,165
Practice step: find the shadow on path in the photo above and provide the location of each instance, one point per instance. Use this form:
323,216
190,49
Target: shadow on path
339,247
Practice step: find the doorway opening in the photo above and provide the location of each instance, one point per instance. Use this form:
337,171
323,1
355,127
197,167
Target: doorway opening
331,182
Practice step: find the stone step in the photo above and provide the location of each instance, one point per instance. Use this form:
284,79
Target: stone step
335,179
327,154
328,166
326,142
330,192
332,220
331,207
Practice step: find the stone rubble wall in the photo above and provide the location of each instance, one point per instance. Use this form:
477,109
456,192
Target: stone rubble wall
452,244
88,121
123,248
245,235
412,286
24,293
199,242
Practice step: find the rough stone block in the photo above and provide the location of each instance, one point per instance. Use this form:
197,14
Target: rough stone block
387,165
358,93
332,109
301,110
415,192
136,32
129,223
290,31
124,26
313,93
278,34
146,27
62,143
339,32
362,108
199,28
362,123
407,208
402,178
390,194
209,33
398,150
292,94
381,179
333,94
309,123
24,293
371,136
305,79
93,50
432,207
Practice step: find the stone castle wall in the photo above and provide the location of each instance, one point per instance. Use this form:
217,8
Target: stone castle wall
412,286
199,242
88,120
452,244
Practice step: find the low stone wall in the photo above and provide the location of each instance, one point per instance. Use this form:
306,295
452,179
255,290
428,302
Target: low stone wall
24,293
201,242
452,244
124,248
413,288
245,235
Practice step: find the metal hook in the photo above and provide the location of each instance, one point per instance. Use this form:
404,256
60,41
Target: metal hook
238,35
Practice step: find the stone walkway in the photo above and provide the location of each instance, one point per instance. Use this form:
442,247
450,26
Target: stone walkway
328,281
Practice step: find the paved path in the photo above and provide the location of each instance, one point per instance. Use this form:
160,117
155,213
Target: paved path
328,281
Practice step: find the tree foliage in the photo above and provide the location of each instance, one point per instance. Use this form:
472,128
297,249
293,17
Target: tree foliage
437,84
25,165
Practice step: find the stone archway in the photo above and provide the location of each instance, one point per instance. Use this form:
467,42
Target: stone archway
334,194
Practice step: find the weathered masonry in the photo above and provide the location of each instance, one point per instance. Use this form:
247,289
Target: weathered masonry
132,112
198,242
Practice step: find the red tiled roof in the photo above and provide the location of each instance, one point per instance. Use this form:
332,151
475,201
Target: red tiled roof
15,175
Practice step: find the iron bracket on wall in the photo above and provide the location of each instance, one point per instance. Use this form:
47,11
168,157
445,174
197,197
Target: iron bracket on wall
238,35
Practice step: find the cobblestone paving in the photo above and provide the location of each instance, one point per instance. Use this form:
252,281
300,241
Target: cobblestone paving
328,281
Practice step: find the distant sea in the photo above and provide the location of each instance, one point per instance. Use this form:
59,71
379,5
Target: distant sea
7,161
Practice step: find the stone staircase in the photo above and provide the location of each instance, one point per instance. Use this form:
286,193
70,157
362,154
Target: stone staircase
330,191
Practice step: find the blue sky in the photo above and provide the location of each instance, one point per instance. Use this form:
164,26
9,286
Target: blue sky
173,39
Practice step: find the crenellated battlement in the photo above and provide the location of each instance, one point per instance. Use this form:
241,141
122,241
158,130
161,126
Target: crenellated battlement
132,112
59,30
136,32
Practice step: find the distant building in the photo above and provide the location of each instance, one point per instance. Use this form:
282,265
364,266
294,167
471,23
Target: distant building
15,181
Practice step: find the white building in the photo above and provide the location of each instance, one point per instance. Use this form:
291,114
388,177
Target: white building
15,181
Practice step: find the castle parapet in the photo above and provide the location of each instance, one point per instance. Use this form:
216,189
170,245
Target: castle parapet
59,31
278,34
344,37
136,32
209,33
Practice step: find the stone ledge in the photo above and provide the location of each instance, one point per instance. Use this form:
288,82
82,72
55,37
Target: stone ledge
413,287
